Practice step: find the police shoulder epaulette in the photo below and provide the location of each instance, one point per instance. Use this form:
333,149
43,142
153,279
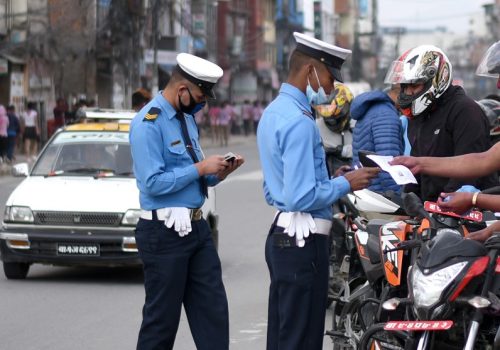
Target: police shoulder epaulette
152,114
309,114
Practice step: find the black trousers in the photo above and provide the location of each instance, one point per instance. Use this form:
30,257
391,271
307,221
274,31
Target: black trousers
181,270
297,294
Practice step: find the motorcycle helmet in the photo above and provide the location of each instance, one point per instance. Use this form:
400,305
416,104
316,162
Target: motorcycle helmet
490,63
491,108
336,113
425,64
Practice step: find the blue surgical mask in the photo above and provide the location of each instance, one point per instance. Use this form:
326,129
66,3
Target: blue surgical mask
313,97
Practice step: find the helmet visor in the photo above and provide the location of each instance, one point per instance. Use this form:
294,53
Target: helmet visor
490,63
396,75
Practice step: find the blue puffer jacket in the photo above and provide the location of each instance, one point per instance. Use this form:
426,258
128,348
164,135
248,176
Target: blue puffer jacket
377,129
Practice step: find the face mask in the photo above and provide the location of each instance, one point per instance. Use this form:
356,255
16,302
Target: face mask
193,107
313,97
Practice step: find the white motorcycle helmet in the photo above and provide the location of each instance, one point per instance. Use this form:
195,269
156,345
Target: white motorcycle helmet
425,64
490,63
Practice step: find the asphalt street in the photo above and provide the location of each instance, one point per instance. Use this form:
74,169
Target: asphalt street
100,308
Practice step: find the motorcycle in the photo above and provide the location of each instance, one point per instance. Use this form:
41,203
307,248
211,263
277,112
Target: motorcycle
452,291
387,249
360,266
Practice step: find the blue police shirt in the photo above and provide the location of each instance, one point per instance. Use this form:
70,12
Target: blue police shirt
165,173
293,158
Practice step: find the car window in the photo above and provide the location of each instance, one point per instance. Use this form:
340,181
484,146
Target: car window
84,154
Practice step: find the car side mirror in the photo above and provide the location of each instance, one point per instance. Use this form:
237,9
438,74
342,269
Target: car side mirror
20,170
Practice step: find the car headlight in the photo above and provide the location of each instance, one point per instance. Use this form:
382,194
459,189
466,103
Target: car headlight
131,217
18,214
427,289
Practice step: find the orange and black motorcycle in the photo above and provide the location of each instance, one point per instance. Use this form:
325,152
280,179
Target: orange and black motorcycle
386,250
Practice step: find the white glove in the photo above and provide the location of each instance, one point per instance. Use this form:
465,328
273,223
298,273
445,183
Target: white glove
180,219
300,225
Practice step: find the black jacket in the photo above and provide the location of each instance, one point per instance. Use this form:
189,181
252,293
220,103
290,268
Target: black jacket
455,125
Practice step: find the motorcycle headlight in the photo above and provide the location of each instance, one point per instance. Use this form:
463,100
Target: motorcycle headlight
427,289
131,217
18,214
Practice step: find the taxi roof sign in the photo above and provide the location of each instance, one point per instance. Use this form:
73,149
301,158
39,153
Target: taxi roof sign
113,114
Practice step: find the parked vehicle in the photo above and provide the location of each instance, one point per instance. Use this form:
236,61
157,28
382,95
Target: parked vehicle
453,290
79,204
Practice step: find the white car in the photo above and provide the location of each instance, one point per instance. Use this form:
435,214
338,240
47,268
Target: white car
79,204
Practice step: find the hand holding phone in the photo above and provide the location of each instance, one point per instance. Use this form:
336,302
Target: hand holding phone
229,157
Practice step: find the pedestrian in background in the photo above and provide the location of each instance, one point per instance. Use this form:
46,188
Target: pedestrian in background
181,265
4,124
226,116
213,115
297,184
246,112
256,114
13,131
31,133
140,98
378,129
60,111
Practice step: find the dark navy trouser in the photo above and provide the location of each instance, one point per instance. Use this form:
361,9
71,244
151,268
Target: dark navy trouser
181,270
298,294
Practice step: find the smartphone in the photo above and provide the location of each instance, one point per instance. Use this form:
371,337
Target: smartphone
229,157
364,160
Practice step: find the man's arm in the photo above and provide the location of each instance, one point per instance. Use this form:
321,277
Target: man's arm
465,166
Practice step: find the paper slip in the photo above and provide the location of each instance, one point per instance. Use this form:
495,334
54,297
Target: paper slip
401,174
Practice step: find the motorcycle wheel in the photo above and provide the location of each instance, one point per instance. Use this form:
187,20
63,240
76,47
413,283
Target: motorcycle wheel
376,337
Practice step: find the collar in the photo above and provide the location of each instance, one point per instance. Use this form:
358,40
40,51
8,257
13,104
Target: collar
297,95
165,105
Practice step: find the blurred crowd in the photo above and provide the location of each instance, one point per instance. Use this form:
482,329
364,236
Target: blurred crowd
220,120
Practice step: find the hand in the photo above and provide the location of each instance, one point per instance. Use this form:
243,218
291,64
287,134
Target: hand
342,170
485,233
211,165
458,202
180,219
360,178
412,163
231,166
301,224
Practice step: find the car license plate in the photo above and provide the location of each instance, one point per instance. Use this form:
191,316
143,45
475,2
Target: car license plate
439,325
78,249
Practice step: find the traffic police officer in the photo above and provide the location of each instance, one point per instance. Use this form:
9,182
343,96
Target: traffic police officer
181,265
297,184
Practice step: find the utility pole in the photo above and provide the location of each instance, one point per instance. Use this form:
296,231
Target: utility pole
154,8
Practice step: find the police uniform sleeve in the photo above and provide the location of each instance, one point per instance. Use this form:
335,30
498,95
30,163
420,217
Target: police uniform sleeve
212,180
149,165
306,184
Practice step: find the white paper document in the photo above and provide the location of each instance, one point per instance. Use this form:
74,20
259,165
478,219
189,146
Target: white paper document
401,174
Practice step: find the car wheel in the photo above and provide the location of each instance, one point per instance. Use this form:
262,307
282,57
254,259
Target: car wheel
16,271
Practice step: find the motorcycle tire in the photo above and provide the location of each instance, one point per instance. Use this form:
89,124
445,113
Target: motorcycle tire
393,340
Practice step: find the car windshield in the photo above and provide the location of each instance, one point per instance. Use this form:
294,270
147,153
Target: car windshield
100,154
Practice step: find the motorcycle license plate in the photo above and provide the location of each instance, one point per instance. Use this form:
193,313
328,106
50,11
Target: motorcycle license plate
78,249
473,215
440,325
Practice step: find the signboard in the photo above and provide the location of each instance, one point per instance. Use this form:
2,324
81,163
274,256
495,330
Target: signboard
163,57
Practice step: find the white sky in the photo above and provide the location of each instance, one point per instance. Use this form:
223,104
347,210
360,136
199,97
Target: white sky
454,14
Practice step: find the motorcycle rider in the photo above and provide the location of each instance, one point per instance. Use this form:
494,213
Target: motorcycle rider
478,164
378,129
334,123
443,120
